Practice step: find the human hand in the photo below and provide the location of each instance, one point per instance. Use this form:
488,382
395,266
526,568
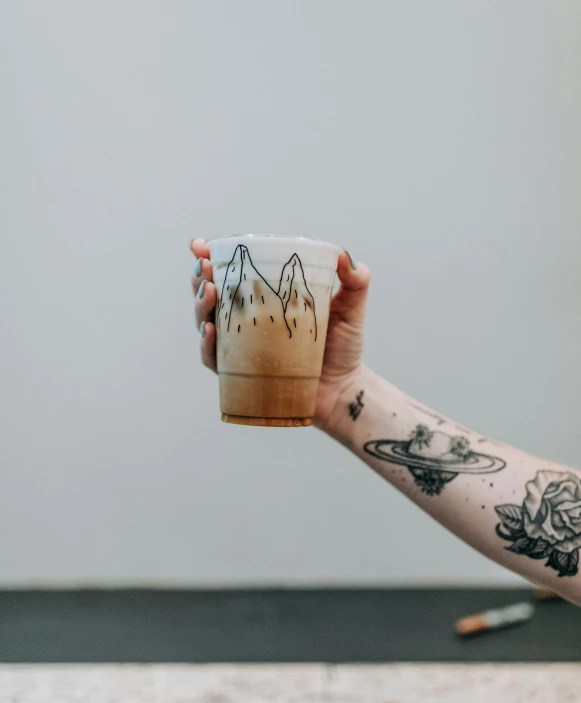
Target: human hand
343,358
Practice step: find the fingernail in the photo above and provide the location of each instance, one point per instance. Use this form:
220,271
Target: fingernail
352,260
203,329
192,242
198,269
201,290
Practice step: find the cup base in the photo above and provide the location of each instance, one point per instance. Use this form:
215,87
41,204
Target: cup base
268,421
268,398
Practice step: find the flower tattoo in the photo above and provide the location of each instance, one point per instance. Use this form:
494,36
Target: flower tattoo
548,523
422,436
460,447
431,482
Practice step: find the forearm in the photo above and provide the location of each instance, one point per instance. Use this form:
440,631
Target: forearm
519,510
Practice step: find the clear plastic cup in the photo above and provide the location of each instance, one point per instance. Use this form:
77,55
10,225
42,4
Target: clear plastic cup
272,314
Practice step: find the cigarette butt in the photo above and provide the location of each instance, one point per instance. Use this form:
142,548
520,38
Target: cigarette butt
472,624
545,594
495,619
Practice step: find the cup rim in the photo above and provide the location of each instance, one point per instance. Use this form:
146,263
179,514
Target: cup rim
250,235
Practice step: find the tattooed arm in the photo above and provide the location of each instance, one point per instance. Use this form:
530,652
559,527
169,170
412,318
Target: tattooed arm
521,511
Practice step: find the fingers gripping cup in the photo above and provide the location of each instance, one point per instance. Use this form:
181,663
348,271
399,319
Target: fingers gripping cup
271,321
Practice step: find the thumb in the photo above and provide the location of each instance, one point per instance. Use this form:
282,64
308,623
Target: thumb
350,301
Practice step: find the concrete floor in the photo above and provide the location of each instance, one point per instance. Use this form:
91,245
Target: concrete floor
291,683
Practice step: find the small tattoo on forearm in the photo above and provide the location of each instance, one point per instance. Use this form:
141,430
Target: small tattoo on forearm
440,420
356,406
437,417
548,523
434,458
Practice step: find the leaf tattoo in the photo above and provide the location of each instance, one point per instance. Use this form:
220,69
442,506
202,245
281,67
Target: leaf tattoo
511,515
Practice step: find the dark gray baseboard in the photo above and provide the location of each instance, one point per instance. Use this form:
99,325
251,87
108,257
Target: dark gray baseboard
276,626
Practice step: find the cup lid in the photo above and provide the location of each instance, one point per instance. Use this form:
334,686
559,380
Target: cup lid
274,236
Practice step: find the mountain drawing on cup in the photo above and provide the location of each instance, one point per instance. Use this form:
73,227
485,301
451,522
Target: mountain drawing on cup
247,300
434,458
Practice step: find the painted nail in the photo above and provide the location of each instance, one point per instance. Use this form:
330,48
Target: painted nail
352,260
203,329
198,269
201,290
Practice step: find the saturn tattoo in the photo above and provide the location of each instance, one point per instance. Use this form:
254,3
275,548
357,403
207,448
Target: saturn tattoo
434,458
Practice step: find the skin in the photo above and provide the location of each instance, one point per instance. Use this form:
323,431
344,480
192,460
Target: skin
467,504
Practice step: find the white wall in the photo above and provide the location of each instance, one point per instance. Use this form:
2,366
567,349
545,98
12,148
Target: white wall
439,141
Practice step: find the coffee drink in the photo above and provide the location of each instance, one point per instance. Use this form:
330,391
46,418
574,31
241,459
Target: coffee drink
271,321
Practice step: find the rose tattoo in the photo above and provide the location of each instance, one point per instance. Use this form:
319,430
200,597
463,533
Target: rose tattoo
548,524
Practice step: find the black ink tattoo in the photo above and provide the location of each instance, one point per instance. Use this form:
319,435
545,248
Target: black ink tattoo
442,421
434,458
437,417
356,407
548,523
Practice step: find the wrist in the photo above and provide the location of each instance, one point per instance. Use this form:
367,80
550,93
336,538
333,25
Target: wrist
362,397
330,420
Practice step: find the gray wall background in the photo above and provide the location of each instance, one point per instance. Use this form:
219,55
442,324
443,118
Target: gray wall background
440,142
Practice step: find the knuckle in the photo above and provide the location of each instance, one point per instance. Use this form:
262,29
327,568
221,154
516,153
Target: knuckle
205,305
212,294
209,299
